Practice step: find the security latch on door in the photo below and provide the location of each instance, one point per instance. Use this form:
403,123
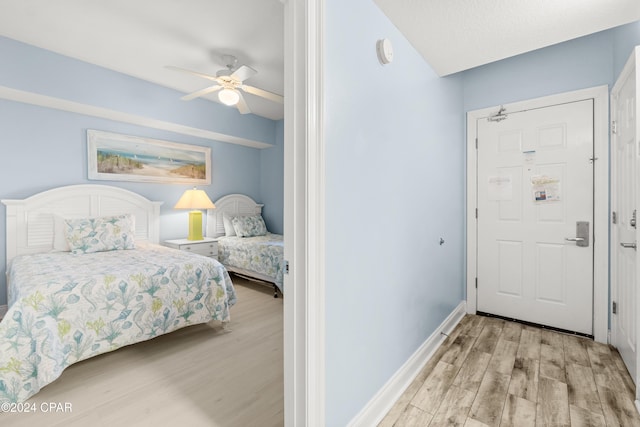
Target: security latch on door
582,234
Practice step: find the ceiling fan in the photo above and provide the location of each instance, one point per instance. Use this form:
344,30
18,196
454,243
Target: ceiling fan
230,84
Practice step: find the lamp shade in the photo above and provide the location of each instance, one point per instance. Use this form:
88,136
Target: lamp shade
228,96
194,199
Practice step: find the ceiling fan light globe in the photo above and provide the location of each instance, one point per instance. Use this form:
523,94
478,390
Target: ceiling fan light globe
228,97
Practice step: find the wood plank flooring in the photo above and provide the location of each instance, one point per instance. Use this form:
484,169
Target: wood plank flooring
196,376
491,372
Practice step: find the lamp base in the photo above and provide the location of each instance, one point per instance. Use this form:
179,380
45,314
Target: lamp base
195,226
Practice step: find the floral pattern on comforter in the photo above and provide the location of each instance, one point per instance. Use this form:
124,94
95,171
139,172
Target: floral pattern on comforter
65,308
260,254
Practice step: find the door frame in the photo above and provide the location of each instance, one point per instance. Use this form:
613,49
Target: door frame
600,96
304,218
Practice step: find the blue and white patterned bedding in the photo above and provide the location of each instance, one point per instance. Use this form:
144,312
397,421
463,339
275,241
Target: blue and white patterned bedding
65,308
259,254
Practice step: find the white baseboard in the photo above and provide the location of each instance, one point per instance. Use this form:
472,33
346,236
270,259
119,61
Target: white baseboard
388,395
3,311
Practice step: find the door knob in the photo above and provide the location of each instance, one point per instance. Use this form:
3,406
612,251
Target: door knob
629,245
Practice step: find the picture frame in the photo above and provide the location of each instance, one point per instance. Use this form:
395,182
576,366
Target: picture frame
118,157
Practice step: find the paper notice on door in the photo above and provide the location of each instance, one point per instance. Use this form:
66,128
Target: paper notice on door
500,187
529,159
545,188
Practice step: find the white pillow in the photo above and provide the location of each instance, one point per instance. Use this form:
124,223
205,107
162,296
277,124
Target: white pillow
228,224
59,238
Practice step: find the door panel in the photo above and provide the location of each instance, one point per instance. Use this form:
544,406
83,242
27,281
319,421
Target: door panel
526,268
510,264
551,285
624,204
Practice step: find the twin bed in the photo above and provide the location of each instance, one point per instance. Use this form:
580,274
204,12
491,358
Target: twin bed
256,253
112,284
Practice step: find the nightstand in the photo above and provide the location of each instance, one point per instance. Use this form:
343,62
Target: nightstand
207,247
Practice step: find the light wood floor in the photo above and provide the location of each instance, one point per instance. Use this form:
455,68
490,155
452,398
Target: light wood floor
196,376
490,372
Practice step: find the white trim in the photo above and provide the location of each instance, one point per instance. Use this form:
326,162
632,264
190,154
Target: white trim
304,217
637,402
3,311
388,395
600,95
315,218
119,116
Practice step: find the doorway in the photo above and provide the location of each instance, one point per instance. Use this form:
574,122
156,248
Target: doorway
534,191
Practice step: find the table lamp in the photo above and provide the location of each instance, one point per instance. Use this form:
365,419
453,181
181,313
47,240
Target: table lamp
195,199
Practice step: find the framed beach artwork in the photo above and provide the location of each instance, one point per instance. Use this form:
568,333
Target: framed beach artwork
117,157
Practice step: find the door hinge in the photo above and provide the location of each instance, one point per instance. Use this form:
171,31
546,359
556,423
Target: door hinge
476,213
614,307
614,218
286,267
614,127
476,143
476,283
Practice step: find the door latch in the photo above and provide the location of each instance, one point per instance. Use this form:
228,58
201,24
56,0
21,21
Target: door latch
632,222
582,234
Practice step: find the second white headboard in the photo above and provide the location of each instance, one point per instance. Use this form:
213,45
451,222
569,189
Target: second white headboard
232,204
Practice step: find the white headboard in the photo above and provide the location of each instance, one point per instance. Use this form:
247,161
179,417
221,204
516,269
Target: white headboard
233,204
30,221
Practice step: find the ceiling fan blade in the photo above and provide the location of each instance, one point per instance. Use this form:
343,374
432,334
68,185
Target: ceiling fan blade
263,93
205,76
242,105
243,73
201,92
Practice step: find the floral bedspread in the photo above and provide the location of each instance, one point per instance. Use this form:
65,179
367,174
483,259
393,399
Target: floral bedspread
65,308
260,254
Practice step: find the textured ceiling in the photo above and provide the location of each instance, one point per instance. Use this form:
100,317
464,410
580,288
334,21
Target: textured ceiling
455,35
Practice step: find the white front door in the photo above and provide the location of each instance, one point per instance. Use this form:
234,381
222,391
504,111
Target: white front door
624,195
534,199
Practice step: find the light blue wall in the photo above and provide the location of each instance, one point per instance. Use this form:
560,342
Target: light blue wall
576,64
272,181
589,61
395,171
37,70
394,185
625,38
43,148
